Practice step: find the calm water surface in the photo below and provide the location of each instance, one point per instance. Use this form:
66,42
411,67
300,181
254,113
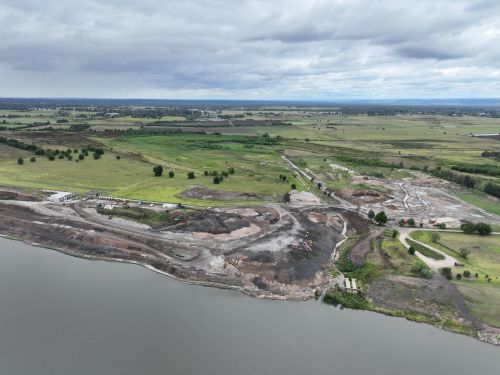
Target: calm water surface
63,315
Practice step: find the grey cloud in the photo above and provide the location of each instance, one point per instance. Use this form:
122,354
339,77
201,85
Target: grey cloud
249,48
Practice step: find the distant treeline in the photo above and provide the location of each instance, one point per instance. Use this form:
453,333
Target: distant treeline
50,153
493,189
491,154
366,161
461,179
489,170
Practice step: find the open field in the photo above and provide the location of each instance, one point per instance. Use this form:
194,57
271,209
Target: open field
482,295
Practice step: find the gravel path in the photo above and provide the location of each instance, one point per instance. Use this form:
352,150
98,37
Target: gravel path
435,264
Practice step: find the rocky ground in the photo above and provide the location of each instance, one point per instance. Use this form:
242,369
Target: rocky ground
244,247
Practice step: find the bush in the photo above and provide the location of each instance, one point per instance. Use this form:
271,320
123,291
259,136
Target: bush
467,274
435,237
446,272
458,276
371,214
32,159
216,180
81,157
483,229
293,186
422,270
395,233
411,222
464,252
118,157
191,175
20,161
381,218
411,250
171,174
468,228
158,170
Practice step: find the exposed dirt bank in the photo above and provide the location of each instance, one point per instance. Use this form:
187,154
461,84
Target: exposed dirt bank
246,248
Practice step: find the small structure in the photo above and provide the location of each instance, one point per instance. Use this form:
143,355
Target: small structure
350,286
61,196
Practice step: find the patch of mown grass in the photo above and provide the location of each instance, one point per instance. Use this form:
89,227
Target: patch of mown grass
426,251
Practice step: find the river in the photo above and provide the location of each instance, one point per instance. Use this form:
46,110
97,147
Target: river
64,315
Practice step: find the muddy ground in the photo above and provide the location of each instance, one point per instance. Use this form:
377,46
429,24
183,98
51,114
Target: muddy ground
244,247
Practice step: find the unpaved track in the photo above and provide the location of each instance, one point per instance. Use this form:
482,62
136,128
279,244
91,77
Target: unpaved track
435,264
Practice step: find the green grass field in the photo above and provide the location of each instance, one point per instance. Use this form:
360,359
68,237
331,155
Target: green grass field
483,296
352,141
481,200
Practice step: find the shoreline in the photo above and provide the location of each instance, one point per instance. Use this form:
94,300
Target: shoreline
485,336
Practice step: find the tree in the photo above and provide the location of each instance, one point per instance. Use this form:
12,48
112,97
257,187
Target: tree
32,159
468,228
395,233
206,173
464,252
467,274
158,170
171,174
81,157
20,161
216,180
446,271
411,250
371,214
52,157
435,237
402,222
381,218
191,175
118,157
483,229
293,186
458,276
411,222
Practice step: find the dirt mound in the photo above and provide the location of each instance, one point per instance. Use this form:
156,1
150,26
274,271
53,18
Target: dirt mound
213,222
360,197
14,196
202,192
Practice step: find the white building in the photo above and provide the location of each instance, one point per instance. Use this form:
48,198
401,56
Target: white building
61,196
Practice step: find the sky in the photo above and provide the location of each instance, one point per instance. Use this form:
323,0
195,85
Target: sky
250,49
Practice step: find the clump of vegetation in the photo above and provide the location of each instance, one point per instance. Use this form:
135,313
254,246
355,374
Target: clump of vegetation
171,174
158,170
191,175
337,297
483,229
422,270
381,218
446,272
426,251
20,161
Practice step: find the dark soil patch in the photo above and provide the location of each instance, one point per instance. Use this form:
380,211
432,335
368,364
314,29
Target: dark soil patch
12,195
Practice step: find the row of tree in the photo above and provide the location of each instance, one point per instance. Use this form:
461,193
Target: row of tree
481,228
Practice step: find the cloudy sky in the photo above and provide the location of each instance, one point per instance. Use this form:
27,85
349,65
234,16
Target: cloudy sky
239,49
